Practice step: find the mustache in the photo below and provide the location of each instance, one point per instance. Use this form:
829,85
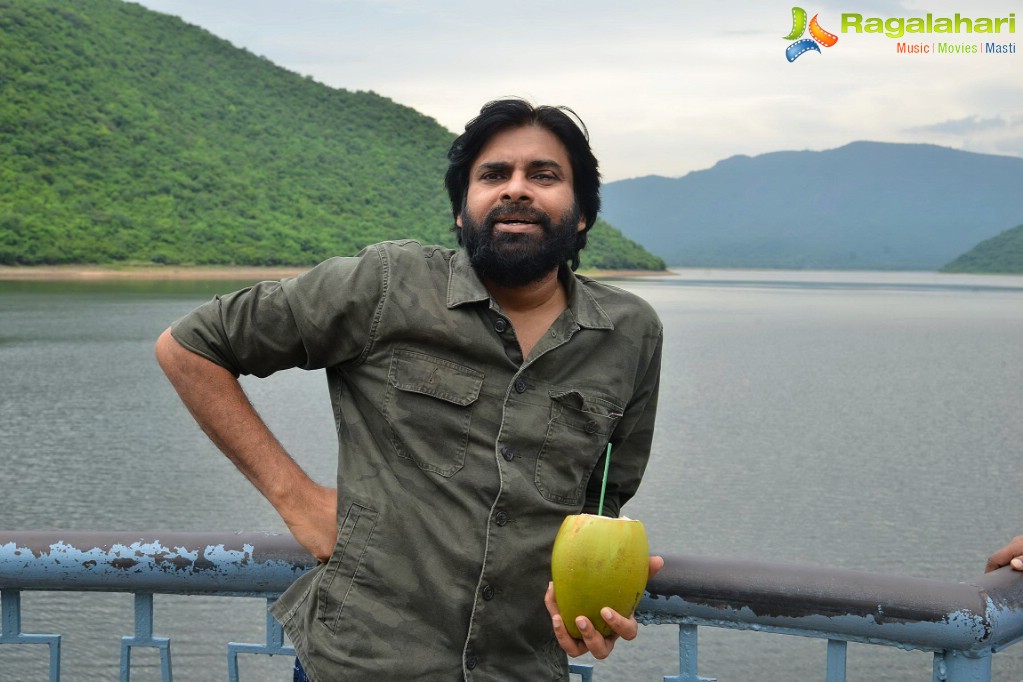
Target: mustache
519,211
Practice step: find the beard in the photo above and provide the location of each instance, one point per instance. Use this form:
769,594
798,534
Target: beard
512,259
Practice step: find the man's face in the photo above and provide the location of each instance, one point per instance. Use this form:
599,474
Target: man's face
519,219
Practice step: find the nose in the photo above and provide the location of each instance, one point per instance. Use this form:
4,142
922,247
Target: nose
517,188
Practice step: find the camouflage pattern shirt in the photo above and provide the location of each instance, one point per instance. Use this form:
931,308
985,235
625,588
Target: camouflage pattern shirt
458,458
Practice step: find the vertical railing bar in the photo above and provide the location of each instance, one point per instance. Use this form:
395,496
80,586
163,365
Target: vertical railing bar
837,651
688,644
958,667
274,630
10,603
54,645
125,660
585,672
144,637
687,656
143,615
938,667
232,663
273,644
10,630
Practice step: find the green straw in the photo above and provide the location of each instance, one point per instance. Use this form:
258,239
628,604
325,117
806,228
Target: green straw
603,484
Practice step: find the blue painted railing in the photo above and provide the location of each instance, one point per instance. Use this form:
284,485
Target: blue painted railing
963,624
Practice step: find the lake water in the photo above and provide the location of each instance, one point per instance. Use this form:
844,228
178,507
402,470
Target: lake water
869,421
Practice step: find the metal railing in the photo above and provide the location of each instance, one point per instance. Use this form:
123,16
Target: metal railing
963,624
213,564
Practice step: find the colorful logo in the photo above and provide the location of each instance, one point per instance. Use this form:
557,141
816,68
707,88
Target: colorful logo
818,36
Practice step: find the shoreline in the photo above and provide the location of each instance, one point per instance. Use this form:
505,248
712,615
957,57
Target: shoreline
93,273
96,273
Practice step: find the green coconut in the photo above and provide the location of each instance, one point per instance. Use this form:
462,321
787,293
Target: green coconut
598,561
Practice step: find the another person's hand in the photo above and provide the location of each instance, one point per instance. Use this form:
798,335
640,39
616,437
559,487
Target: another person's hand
313,522
1010,555
592,641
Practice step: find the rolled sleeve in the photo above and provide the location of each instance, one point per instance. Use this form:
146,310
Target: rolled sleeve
298,322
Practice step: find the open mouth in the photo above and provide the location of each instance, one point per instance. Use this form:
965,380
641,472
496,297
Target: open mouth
516,222
509,226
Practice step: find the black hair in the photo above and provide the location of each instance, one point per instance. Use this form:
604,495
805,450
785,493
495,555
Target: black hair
500,115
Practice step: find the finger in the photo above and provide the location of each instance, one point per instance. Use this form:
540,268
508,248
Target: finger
656,564
597,644
626,628
570,645
998,559
1005,555
549,601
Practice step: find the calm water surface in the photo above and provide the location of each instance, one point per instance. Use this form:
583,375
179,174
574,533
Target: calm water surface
869,421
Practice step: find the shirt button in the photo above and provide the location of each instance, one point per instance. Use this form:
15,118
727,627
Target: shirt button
591,426
471,661
500,325
521,385
508,452
488,592
501,518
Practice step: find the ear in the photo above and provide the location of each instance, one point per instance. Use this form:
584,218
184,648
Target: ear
458,220
582,224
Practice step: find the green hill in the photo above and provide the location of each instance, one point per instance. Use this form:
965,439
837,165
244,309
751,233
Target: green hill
1002,254
130,136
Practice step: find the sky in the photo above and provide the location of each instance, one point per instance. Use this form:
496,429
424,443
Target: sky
665,87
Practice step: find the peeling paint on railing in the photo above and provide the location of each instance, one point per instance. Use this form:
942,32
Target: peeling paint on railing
181,563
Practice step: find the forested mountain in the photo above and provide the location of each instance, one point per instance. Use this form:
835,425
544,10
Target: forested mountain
866,205
1001,254
129,135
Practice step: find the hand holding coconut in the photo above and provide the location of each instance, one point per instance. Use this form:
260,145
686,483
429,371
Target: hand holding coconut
592,640
600,567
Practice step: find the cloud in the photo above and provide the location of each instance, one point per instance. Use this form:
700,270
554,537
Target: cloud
965,126
664,88
999,134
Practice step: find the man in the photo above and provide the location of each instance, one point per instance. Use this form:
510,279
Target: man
475,393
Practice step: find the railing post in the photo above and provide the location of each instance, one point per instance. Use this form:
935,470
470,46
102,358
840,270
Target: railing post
274,644
585,672
144,638
836,660
10,630
955,666
687,648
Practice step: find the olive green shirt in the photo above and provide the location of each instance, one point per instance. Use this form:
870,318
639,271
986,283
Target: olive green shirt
458,458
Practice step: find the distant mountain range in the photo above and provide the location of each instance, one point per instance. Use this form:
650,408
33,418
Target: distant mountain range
867,205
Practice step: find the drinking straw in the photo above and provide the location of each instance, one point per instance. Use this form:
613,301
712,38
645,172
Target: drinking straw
603,484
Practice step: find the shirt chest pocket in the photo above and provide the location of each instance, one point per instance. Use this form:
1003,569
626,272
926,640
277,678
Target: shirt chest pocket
578,430
428,407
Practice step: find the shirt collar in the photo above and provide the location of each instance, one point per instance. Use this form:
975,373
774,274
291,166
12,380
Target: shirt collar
465,287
